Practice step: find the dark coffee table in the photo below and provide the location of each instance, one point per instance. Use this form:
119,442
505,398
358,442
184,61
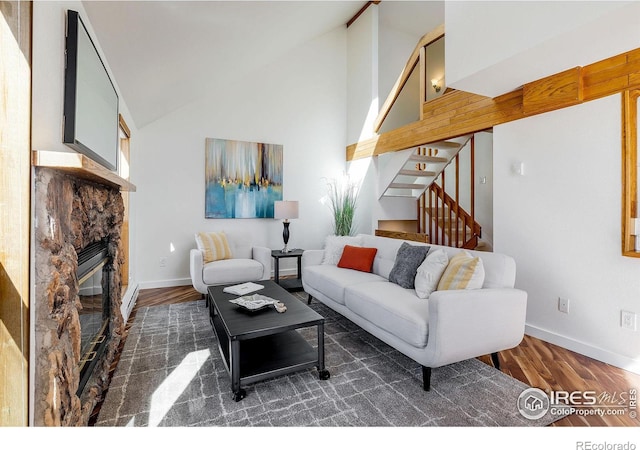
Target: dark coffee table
264,344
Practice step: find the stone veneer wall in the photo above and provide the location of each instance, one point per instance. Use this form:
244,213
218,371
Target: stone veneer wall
70,214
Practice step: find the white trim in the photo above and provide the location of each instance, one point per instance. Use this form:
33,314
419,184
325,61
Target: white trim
621,361
286,272
165,283
129,300
187,281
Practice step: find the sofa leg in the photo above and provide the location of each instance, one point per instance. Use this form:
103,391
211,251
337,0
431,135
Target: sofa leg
309,298
426,378
495,360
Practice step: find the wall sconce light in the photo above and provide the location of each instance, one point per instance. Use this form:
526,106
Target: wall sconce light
436,85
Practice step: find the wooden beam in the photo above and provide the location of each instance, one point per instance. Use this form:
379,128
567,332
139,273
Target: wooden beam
557,91
457,113
468,113
362,10
422,65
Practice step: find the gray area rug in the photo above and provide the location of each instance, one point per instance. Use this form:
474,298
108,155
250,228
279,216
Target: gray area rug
171,374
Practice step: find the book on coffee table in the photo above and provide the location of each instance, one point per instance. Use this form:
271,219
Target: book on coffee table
243,289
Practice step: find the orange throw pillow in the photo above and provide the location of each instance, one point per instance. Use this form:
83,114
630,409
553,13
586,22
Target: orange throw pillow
357,258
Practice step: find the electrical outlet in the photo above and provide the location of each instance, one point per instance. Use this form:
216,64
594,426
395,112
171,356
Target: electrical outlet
628,320
563,305
163,261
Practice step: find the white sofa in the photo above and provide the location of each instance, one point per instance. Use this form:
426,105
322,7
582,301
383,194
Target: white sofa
449,326
248,263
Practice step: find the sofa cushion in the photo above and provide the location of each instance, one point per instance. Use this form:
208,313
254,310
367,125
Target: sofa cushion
394,309
229,271
333,246
332,280
408,259
214,246
429,273
463,272
357,258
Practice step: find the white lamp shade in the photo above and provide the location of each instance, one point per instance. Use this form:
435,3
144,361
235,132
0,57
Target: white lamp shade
285,209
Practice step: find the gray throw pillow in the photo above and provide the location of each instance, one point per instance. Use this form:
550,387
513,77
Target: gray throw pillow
408,259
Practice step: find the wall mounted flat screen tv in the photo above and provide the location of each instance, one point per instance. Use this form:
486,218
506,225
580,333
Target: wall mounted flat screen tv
90,98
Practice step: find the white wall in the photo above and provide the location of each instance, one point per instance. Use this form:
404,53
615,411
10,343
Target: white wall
362,76
379,45
297,101
363,103
484,191
49,22
561,222
394,48
406,108
517,42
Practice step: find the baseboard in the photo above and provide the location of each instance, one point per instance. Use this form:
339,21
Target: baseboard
165,283
187,281
129,299
599,354
287,272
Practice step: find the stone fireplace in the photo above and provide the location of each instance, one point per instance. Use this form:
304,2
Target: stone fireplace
78,323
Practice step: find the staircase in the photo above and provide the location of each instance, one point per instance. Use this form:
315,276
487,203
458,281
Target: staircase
419,173
409,173
440,215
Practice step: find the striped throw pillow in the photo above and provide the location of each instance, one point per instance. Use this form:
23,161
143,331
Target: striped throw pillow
463,272
214,246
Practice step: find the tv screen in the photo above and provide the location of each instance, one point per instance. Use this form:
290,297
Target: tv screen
90,99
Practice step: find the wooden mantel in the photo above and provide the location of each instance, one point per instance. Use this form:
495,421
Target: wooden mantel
81,166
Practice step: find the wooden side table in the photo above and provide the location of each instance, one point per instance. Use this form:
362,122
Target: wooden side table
290,284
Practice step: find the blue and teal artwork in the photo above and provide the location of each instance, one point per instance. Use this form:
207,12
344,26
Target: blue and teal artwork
242,179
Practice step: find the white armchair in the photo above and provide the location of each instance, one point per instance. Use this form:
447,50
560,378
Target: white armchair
248,263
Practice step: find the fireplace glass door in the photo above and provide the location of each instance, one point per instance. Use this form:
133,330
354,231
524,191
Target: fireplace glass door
95,301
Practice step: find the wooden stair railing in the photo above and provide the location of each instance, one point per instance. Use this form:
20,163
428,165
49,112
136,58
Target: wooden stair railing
445,221
441,217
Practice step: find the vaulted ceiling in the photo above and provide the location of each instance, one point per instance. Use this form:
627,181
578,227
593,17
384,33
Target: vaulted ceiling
166,54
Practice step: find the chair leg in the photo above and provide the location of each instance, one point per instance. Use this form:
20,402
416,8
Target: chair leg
309,298
495,360
426,378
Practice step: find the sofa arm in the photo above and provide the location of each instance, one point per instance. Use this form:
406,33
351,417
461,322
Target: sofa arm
196,264
466,324
263,256
312,258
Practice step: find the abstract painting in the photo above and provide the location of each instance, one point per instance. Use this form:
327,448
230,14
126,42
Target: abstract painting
242,179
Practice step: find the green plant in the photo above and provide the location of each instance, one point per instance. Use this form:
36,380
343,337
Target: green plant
343,195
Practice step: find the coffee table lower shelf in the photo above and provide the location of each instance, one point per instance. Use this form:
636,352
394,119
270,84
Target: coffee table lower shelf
266,357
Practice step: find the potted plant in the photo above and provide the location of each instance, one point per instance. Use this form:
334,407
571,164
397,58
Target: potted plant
343,194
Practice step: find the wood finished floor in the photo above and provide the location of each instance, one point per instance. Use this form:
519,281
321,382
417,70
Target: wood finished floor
534,362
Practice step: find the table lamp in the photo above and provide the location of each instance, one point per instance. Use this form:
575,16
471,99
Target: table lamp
285,210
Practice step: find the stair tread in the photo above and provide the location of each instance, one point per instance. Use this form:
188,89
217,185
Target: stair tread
444,144
407,186
399,196
417,173
428,159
